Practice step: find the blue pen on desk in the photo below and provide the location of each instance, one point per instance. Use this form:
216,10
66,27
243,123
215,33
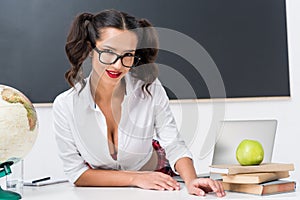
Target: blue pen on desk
41,179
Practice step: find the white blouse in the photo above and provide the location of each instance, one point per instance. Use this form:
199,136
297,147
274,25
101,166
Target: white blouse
81,131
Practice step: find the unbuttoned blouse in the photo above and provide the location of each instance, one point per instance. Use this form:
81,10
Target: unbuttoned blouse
81,130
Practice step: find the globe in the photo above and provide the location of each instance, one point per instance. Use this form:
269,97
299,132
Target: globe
18,129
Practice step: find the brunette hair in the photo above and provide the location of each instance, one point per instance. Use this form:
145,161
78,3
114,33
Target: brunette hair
86,29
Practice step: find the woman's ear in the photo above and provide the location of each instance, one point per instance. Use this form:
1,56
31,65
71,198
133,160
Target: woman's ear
91,54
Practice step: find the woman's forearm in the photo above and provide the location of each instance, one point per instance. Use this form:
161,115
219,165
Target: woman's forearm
142,179
96,177
185,168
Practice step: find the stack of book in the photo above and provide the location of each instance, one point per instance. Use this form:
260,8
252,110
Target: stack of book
266,178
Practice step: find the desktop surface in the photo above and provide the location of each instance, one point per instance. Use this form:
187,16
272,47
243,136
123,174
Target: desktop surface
67,191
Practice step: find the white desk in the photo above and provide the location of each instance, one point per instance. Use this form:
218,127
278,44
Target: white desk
68,192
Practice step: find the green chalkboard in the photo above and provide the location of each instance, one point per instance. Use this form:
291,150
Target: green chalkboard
247,40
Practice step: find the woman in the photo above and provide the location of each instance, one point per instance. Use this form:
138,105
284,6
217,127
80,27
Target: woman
105,124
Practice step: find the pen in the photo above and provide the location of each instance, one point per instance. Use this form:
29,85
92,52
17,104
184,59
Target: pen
41,179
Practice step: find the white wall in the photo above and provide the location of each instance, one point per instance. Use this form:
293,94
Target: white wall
43,159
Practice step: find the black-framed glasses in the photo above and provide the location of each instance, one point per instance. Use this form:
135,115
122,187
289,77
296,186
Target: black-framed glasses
108,57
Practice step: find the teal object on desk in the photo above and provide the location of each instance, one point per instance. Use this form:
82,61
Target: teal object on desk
9,195
6,194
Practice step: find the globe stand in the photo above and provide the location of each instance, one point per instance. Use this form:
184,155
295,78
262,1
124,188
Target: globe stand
5,194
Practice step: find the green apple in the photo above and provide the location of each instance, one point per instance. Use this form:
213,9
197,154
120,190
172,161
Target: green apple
250,152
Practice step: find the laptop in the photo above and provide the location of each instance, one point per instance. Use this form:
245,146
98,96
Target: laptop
232,132
229,135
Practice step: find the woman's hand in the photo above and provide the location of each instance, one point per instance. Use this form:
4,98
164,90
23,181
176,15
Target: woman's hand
201,186
155,181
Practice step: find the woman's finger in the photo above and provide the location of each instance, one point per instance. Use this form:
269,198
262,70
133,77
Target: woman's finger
221,188
169,181
164,185
157,187
196,191
213,185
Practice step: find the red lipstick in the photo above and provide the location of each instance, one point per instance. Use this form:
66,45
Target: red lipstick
113,74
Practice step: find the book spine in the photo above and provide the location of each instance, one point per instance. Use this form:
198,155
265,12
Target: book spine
279,188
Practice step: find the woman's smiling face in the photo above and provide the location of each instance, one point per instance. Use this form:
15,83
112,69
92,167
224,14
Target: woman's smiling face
113,42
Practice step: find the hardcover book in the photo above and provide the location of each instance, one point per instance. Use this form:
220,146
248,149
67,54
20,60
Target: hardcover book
255,178
272,187
239,169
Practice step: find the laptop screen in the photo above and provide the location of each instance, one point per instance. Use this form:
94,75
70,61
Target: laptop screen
231,133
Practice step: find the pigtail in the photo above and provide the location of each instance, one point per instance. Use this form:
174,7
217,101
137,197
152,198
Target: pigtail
147,50
148,42
78,46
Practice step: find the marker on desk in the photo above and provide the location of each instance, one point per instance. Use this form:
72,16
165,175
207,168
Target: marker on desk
41,179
